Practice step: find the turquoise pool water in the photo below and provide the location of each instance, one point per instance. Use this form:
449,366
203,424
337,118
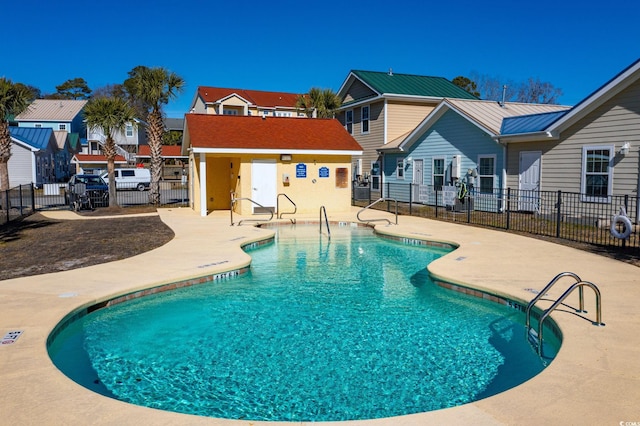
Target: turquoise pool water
318,330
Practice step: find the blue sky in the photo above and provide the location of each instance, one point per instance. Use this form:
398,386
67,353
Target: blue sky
291,46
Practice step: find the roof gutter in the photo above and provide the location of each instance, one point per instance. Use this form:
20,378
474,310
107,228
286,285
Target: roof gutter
527,137
277,151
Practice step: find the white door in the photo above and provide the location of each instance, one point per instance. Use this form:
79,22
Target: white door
418,179
529,181
263,185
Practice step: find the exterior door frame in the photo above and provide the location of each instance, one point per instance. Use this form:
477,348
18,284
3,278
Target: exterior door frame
529,176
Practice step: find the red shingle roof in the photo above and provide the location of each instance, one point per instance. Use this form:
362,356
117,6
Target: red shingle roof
278,133
93,158
256,97
167,151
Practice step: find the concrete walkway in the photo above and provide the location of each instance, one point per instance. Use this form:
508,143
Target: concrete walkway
594,380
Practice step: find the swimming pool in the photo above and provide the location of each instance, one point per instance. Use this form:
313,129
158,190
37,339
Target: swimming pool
304,337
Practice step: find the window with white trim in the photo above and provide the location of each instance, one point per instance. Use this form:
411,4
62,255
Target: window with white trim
62,126
365,119
400,169
129,130
437,173
597,173
486,173
348,121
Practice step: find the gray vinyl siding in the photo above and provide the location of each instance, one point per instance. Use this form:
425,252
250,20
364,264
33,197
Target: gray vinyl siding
615,122
371,141
358,90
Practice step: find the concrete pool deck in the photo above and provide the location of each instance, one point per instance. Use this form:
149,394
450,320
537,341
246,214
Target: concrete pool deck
594,380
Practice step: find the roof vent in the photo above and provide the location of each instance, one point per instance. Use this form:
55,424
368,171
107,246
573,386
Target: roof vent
390,71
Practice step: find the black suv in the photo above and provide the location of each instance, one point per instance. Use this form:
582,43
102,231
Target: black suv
94,187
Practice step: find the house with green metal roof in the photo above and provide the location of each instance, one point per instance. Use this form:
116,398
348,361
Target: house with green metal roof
380,107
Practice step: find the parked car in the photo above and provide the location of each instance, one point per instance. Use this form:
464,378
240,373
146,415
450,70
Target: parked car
137,178
90,185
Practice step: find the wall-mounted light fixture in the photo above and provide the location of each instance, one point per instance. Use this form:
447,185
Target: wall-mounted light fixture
625,148
285,157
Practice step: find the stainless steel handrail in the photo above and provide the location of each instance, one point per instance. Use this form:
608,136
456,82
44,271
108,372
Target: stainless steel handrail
557,303
326,220
544,291
295,208
235,200
579,284
382,219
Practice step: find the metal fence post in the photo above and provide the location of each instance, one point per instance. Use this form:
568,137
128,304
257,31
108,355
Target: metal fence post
33,197
508,207
559,214
6,203
20,195
410,197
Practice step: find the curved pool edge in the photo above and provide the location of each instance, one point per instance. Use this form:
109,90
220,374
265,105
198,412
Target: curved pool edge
593,380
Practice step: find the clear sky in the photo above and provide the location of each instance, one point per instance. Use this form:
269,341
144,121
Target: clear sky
293,45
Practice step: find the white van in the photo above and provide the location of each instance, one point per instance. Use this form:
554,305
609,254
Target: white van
137,178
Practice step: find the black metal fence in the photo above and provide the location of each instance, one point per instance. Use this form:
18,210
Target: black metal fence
565,215
24,200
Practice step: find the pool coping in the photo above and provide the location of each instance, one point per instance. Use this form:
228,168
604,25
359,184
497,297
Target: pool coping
594,380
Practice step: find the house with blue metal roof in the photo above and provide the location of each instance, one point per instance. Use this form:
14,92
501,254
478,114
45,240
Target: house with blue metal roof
593,149
33,156
454,149
380,107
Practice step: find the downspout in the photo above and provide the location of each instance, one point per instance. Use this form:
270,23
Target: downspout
384,135
505,162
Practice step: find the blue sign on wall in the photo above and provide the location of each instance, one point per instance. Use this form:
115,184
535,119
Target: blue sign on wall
301,170
323,172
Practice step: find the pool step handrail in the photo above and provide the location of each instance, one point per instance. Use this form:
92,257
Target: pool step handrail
326,221
381,219
579,284
234,200
295,208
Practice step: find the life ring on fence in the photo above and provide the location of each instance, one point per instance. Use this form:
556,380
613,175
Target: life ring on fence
625,221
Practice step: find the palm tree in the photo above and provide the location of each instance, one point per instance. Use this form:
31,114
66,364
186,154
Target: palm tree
154,87
14,99
112,116
320,103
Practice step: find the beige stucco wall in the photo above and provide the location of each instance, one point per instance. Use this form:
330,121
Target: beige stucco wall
226,174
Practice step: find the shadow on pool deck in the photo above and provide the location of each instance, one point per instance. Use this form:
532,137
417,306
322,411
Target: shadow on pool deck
595,379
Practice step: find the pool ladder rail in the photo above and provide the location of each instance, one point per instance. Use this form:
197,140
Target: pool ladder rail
326,221
534,337
381,219
295,207
234,200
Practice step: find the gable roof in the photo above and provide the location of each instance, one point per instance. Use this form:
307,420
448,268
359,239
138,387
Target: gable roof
229,134
96,159
551,126
390,84
487,115
37,138
167,151
253,97
52,110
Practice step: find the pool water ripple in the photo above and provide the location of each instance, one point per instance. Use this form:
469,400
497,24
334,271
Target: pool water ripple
318,330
